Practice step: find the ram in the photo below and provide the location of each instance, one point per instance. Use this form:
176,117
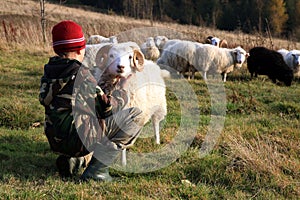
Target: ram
145,80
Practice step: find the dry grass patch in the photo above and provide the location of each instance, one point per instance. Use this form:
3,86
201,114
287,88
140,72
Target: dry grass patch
267,155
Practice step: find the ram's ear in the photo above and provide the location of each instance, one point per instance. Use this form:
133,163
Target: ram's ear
102,55
223,43
138,60
208,39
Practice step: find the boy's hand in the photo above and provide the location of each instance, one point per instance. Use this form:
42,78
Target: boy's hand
123,81
105,108
100,92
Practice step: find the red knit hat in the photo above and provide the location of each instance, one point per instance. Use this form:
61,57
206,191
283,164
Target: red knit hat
67,36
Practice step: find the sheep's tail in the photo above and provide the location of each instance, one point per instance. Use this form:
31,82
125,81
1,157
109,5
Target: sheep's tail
165,73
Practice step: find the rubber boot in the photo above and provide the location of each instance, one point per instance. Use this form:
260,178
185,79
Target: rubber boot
97,171
103,157
68,166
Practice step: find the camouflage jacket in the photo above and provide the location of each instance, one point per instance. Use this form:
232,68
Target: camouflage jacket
56,95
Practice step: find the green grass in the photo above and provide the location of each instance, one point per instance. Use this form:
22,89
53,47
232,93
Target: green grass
19,80
257,155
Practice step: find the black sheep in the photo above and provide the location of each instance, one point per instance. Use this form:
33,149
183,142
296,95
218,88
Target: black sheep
268,62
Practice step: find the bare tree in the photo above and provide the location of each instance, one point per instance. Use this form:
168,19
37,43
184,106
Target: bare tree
151,12
269,33
161,8
43,20
260,5
148,10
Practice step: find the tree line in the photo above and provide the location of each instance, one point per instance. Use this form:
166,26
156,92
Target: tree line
281,17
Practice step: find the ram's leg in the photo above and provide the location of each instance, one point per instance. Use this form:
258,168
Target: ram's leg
193,73
189,72
155,124
204,75
156,130
273,79
123,158
183,72
224,75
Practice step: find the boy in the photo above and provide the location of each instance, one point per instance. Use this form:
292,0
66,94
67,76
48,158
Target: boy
106,135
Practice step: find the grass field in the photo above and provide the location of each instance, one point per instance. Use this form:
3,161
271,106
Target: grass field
257,155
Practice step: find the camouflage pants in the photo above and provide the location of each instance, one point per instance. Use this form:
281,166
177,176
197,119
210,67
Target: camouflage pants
121,131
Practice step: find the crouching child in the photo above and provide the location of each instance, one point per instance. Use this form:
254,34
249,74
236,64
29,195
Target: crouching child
78,114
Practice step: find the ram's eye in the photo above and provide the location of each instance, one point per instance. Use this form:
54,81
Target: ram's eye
130,57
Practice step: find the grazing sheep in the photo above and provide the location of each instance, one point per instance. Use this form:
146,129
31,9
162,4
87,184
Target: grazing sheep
216,42
170,43
160,41
283,52
269,62
150,50
145,84
179,55
291,58
212,59
96,39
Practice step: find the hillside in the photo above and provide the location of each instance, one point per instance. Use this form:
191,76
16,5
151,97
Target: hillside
255,145
17,16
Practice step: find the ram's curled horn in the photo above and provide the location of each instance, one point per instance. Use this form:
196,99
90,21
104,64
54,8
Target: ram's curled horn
138,59
102,56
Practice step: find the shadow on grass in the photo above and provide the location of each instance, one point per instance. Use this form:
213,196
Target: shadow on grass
23,157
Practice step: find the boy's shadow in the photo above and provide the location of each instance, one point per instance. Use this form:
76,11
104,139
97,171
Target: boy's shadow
27,159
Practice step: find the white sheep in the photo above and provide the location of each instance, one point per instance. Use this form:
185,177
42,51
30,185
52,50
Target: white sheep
147,91
146,87
215,41
179,55
169,43
150,50
212,59
283,52
160,41
291,58
96,39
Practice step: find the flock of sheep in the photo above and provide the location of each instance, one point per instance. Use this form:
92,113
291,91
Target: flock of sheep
214,57
144,66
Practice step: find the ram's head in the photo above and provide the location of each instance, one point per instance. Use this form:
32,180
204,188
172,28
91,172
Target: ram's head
120,59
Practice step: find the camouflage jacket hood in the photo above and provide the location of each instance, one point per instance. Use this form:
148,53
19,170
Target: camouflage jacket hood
57,83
